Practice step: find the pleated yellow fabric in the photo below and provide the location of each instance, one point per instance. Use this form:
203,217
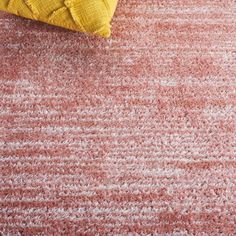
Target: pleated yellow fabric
90,16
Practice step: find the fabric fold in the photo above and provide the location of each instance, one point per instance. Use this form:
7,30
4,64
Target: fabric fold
93,16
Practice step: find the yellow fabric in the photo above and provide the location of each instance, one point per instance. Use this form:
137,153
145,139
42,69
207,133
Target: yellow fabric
90,16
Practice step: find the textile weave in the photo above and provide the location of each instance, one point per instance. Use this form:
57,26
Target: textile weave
135,135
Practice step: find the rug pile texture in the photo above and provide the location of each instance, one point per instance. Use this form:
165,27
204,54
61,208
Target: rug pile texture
135,135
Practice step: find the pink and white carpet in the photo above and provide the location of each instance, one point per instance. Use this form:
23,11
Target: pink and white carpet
135,135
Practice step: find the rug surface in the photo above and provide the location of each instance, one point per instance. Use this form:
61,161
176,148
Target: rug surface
134,135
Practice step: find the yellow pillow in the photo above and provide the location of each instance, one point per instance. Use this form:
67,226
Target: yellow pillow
90,16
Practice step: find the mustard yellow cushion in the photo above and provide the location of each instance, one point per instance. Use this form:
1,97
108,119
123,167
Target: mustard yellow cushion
90,16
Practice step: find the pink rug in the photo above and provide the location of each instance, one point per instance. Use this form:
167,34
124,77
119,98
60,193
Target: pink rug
135,135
